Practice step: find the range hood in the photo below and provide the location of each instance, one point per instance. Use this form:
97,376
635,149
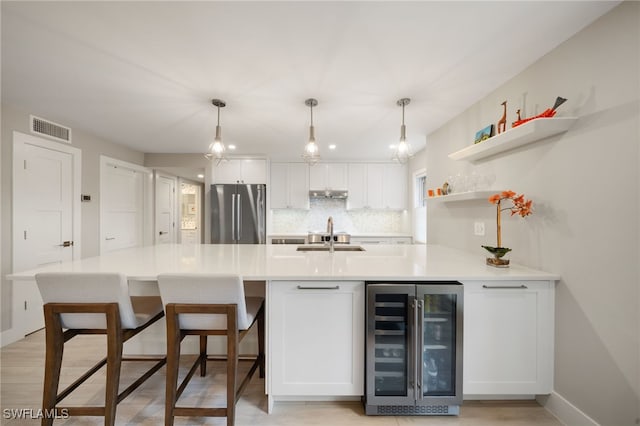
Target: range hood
340,194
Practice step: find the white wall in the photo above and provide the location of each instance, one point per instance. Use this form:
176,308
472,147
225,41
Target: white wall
92,147
586,222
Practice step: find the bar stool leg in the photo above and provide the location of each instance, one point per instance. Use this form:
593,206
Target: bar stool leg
232,364
114,363
203,356
173,363
53,362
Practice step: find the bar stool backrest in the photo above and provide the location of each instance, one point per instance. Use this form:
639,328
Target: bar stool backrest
205,289
86,287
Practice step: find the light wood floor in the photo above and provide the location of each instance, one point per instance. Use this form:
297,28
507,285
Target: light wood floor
21,373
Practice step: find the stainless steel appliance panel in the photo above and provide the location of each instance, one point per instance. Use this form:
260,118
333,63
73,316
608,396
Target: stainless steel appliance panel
238,214
414,348
223,216
251,213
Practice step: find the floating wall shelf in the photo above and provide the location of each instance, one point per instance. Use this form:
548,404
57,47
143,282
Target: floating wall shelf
529,132
466,196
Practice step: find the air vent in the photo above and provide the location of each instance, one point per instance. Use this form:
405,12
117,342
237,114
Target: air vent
50,129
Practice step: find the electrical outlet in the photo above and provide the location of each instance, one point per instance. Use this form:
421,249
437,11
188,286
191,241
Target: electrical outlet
478,228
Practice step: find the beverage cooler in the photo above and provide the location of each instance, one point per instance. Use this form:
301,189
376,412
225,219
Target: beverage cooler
414,348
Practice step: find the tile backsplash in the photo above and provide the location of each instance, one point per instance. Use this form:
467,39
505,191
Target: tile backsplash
287,221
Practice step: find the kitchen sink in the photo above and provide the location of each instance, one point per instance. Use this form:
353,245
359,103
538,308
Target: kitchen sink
326,248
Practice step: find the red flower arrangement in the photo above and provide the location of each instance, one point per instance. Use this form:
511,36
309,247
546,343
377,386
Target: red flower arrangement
519,206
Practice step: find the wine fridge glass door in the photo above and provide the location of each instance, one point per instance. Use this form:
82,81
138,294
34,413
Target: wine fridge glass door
440,339
391,351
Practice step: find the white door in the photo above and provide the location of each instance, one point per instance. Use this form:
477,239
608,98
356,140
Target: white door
122,204
43,217
165,209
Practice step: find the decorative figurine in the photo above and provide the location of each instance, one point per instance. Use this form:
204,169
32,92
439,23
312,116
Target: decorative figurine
547,113
503,121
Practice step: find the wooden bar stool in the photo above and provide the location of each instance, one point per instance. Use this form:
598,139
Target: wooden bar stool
93,303
208,305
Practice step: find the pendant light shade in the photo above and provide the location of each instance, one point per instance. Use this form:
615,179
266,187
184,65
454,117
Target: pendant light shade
311,154
403,150
217,148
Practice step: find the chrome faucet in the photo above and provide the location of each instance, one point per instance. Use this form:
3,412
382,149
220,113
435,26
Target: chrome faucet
330,231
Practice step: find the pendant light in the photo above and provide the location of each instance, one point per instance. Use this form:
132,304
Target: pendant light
403,149
311,153
217,148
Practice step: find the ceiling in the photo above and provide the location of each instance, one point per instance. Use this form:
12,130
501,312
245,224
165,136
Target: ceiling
143,74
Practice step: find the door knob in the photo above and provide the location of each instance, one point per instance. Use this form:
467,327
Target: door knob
66,244
163,232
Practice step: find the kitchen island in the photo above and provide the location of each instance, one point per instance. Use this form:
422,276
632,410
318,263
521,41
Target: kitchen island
316,350
284,262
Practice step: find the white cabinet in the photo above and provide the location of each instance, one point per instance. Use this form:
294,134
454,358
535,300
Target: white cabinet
246,170
401,240
364,182
508,337
316,332
289,186
324,176
377,186
380,240
189,236
394,186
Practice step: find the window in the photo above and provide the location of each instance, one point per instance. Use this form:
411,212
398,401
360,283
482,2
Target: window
421,191
420,206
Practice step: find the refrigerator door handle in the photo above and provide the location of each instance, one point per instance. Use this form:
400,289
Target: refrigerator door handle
239,218
233,216
420,340
261,215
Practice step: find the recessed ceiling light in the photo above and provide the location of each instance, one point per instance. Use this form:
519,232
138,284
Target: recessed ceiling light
231,146
200,176
332,146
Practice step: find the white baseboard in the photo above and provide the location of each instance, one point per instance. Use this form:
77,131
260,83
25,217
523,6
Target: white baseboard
9,336
565,411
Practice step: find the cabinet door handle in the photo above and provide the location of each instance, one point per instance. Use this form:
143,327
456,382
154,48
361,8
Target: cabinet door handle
498,287
300,287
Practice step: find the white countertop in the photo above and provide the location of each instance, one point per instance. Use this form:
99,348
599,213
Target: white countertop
283,262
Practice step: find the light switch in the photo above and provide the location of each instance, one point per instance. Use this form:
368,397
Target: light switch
478,228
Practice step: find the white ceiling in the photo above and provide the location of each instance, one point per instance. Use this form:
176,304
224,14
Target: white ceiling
143,73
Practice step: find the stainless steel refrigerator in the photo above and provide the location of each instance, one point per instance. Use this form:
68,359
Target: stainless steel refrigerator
238,214
414,348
